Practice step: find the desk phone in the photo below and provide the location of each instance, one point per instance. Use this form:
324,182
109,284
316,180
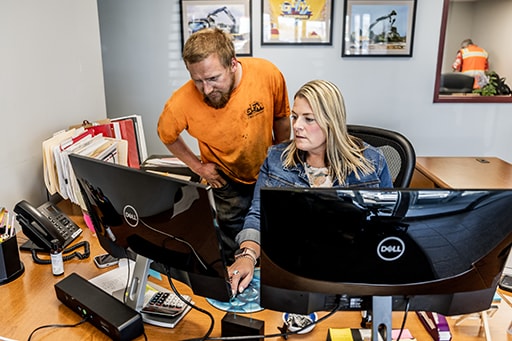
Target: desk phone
43,224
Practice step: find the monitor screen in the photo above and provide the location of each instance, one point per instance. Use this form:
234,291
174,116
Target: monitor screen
437,250
167,220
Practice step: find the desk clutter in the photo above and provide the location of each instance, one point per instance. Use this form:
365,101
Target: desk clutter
10,265
117,140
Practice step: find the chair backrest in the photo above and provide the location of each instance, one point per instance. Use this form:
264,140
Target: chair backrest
398,150
456,82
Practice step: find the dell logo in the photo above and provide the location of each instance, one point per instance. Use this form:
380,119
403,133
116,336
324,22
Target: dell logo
391,248
130,216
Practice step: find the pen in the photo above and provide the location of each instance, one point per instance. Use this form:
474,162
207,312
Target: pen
2,218
11,226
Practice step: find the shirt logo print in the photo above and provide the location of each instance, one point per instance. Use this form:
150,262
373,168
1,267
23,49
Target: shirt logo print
254,109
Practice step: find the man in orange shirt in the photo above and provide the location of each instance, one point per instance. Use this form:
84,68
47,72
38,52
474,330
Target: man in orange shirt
472,60
236,108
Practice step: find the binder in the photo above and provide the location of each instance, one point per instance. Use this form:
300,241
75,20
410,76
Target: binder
436,325
125,130
139,134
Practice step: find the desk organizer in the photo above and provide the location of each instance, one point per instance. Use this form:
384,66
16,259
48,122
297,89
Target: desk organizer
10,265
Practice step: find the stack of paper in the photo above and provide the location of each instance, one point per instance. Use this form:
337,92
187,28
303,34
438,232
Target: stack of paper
107,140
170,166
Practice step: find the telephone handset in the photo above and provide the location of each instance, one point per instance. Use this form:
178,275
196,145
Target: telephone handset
43,224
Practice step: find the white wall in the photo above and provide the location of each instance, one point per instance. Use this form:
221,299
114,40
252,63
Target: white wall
50,78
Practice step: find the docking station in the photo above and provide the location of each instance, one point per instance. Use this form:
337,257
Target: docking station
105,312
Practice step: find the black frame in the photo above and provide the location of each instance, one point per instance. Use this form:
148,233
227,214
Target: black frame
319,32
209,11
395,18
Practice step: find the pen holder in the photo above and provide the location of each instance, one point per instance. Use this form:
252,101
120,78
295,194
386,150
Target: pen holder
10,265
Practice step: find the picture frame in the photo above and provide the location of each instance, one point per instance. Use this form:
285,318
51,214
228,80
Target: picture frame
233,16
296,22
377,28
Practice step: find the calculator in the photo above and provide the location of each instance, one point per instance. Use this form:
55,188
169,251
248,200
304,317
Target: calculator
166,304
506,283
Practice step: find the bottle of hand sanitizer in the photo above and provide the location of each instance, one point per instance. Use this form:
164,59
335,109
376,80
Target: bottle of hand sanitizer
56,258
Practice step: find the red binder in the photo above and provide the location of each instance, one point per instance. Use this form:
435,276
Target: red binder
127,130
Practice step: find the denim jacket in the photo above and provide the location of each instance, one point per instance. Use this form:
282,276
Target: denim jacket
274,174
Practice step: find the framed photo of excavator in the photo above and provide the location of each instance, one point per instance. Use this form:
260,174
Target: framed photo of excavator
232,16
304,22
378,28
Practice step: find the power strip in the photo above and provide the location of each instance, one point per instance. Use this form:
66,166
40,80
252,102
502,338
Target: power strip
105,312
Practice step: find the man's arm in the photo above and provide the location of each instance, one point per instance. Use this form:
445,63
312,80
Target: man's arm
457,64
208,171
180,149
281,129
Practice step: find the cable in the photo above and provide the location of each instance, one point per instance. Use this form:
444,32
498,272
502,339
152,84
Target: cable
284,330
178,240
193,306
85,254
56,326
407,305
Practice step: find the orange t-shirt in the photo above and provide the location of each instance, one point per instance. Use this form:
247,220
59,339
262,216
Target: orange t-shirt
235,137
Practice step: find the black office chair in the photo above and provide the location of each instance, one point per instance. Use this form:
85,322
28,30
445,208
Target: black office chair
398,150
455,82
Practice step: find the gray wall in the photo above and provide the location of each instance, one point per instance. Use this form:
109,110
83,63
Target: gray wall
51,77
141,45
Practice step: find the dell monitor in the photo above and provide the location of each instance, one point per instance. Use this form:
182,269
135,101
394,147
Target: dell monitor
157,218
439,250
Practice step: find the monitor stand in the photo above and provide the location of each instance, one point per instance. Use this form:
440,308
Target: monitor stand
381,318
137,290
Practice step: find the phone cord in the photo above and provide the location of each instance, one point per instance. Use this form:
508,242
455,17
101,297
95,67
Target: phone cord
77,254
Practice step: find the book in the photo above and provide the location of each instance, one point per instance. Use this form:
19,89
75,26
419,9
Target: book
139,133
124,129
436,325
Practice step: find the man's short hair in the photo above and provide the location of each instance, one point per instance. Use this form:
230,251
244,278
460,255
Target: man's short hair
466,43
209,41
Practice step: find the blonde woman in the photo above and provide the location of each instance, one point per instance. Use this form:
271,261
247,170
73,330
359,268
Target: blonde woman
321,154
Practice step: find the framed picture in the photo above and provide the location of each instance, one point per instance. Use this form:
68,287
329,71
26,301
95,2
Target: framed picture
304,22
233,16
378,28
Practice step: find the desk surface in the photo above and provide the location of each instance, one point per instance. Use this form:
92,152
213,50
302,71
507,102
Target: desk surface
466,172
30,302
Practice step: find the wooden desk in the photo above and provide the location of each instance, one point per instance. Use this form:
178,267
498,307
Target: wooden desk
30,302
462,172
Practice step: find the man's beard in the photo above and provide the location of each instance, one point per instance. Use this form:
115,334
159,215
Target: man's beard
224,98
221,103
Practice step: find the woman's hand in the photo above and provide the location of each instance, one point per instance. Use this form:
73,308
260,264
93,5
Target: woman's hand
240,274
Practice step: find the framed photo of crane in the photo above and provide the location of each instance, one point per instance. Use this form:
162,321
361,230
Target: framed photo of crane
232,16
378,28
300,22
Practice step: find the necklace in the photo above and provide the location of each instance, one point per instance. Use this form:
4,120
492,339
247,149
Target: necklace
318,177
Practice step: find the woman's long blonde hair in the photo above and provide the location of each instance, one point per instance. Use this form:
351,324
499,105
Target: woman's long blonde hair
344,153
